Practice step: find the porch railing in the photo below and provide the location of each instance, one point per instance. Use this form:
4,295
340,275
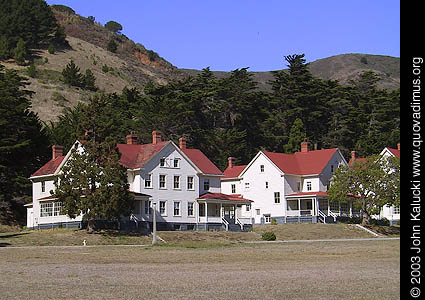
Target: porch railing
226,224
322,215
333,215
237,221
298,213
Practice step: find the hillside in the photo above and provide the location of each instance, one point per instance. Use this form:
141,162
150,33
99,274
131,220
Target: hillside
132,65
344,67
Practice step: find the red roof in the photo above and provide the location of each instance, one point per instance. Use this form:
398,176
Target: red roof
135,156
50,167
233,171
220,196
202,162
302,163
361,159
395,152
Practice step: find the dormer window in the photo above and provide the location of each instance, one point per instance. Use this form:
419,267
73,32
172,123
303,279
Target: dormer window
162,162
43,186
308,185
176,163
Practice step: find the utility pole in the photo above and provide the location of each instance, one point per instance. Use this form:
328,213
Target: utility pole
154,238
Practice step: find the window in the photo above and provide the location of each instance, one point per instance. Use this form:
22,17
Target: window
262,168
246,185
206,184
267,219
308,185
162,184
190,209
163,208
233,188
177,208
176,182
190,185
257,211
43,186
332,168
396,210
46,209
276,197
57,208
248,207
267,184
162,162
298,186
148,181
136,208
176,163
202,209
147,207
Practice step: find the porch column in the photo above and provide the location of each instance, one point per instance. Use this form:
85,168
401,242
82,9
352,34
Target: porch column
221,210
299,207
206,212
328,208
351,208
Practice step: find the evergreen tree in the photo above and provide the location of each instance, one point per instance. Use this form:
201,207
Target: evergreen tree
89,81
4,48
113,26
71,75
94,184
23,142
112,46
296,136
20,53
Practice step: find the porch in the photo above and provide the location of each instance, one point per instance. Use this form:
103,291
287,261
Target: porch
316,207
218,211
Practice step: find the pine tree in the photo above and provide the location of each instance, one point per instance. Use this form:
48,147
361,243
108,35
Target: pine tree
94,184
20,53
72,76
4,48
296,136
89,81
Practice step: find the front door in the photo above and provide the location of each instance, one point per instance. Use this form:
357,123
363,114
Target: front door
229,213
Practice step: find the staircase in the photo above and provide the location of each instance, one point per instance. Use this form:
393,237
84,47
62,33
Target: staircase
230,224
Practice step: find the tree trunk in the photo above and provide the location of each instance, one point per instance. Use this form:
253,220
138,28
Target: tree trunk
91,226
366,216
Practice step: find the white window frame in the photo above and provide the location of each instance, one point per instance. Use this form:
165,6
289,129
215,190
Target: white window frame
148,179
162,162
43,186
163,213
261,168
267,184
178,208
176,163
277,199
267,219
248,207
233,187
191,204
190,183
246,186
309,186
162,182
176,184
147,207
206,184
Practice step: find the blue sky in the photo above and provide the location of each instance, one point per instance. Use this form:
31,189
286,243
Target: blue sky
229,34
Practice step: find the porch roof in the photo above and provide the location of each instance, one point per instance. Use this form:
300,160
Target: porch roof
224,198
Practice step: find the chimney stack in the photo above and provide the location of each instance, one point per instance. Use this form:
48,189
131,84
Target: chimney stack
231,162
57,151
398,146
304,146
156,137
353,156
131,139
182,142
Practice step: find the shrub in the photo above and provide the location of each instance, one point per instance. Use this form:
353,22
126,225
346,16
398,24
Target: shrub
32,71
269,236
51,49
112,46
273,222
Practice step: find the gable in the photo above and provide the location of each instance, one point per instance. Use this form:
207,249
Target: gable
201,161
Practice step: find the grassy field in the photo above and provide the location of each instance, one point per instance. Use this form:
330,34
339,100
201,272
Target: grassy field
314,270
71,237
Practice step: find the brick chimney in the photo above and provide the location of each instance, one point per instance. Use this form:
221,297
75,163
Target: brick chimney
231,162
182,142
131,139
354,155
304,146
57,151
156,137
398,146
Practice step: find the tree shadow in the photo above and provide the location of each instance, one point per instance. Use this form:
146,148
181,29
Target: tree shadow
12,235
4,244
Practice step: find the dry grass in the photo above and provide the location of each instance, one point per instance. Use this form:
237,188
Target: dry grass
325,270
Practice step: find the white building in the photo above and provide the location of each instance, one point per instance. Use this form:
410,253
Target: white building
181,183
287,187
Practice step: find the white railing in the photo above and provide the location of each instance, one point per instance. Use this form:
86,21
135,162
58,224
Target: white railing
226,224
237,221
299,213
323,215
333,215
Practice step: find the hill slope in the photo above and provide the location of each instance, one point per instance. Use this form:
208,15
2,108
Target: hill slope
344,67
